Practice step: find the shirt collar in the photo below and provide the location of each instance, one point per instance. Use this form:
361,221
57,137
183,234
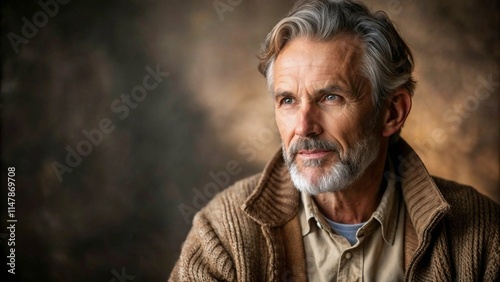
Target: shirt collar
387,212
309,214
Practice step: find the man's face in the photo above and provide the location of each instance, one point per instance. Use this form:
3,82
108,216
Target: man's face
324,113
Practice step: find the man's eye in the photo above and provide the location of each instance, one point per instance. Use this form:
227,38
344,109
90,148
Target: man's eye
287,101
331,97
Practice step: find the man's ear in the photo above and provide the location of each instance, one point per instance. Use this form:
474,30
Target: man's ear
396,111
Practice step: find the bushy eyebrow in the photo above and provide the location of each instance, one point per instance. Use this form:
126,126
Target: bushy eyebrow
332,89
281,93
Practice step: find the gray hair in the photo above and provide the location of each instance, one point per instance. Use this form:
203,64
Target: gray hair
387,61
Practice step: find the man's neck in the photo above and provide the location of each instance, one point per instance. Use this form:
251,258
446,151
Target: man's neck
356,203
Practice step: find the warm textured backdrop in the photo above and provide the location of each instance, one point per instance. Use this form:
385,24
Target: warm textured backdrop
127,205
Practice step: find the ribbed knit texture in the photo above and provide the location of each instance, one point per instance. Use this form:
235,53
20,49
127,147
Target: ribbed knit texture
250,231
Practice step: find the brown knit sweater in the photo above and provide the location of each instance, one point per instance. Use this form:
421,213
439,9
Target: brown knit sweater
251,232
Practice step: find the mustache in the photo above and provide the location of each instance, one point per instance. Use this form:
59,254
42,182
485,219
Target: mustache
310,144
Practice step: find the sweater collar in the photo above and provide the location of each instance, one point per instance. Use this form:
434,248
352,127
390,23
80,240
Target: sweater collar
424,202
275,200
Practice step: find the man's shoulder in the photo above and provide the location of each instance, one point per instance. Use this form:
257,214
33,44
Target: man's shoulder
465,201
242,188
234,196
225,217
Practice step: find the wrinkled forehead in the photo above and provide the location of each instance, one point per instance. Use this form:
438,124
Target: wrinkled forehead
345,51
317,62
341,50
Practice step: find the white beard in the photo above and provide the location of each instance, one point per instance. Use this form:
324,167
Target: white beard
341,174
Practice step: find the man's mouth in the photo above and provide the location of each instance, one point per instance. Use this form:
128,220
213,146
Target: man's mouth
313,154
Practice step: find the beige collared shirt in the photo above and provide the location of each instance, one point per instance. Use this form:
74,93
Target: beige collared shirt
378,254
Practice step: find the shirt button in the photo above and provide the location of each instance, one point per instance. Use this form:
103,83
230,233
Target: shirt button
319,225
348,255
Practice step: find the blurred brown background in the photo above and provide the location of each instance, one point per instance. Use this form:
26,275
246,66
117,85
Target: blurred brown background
126,206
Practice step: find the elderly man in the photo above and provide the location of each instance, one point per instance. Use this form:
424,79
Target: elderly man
345,199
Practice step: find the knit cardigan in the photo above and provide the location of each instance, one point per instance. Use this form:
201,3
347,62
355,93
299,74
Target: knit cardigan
251,231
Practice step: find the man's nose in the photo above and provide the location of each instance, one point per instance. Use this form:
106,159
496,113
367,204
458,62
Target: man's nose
308,121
